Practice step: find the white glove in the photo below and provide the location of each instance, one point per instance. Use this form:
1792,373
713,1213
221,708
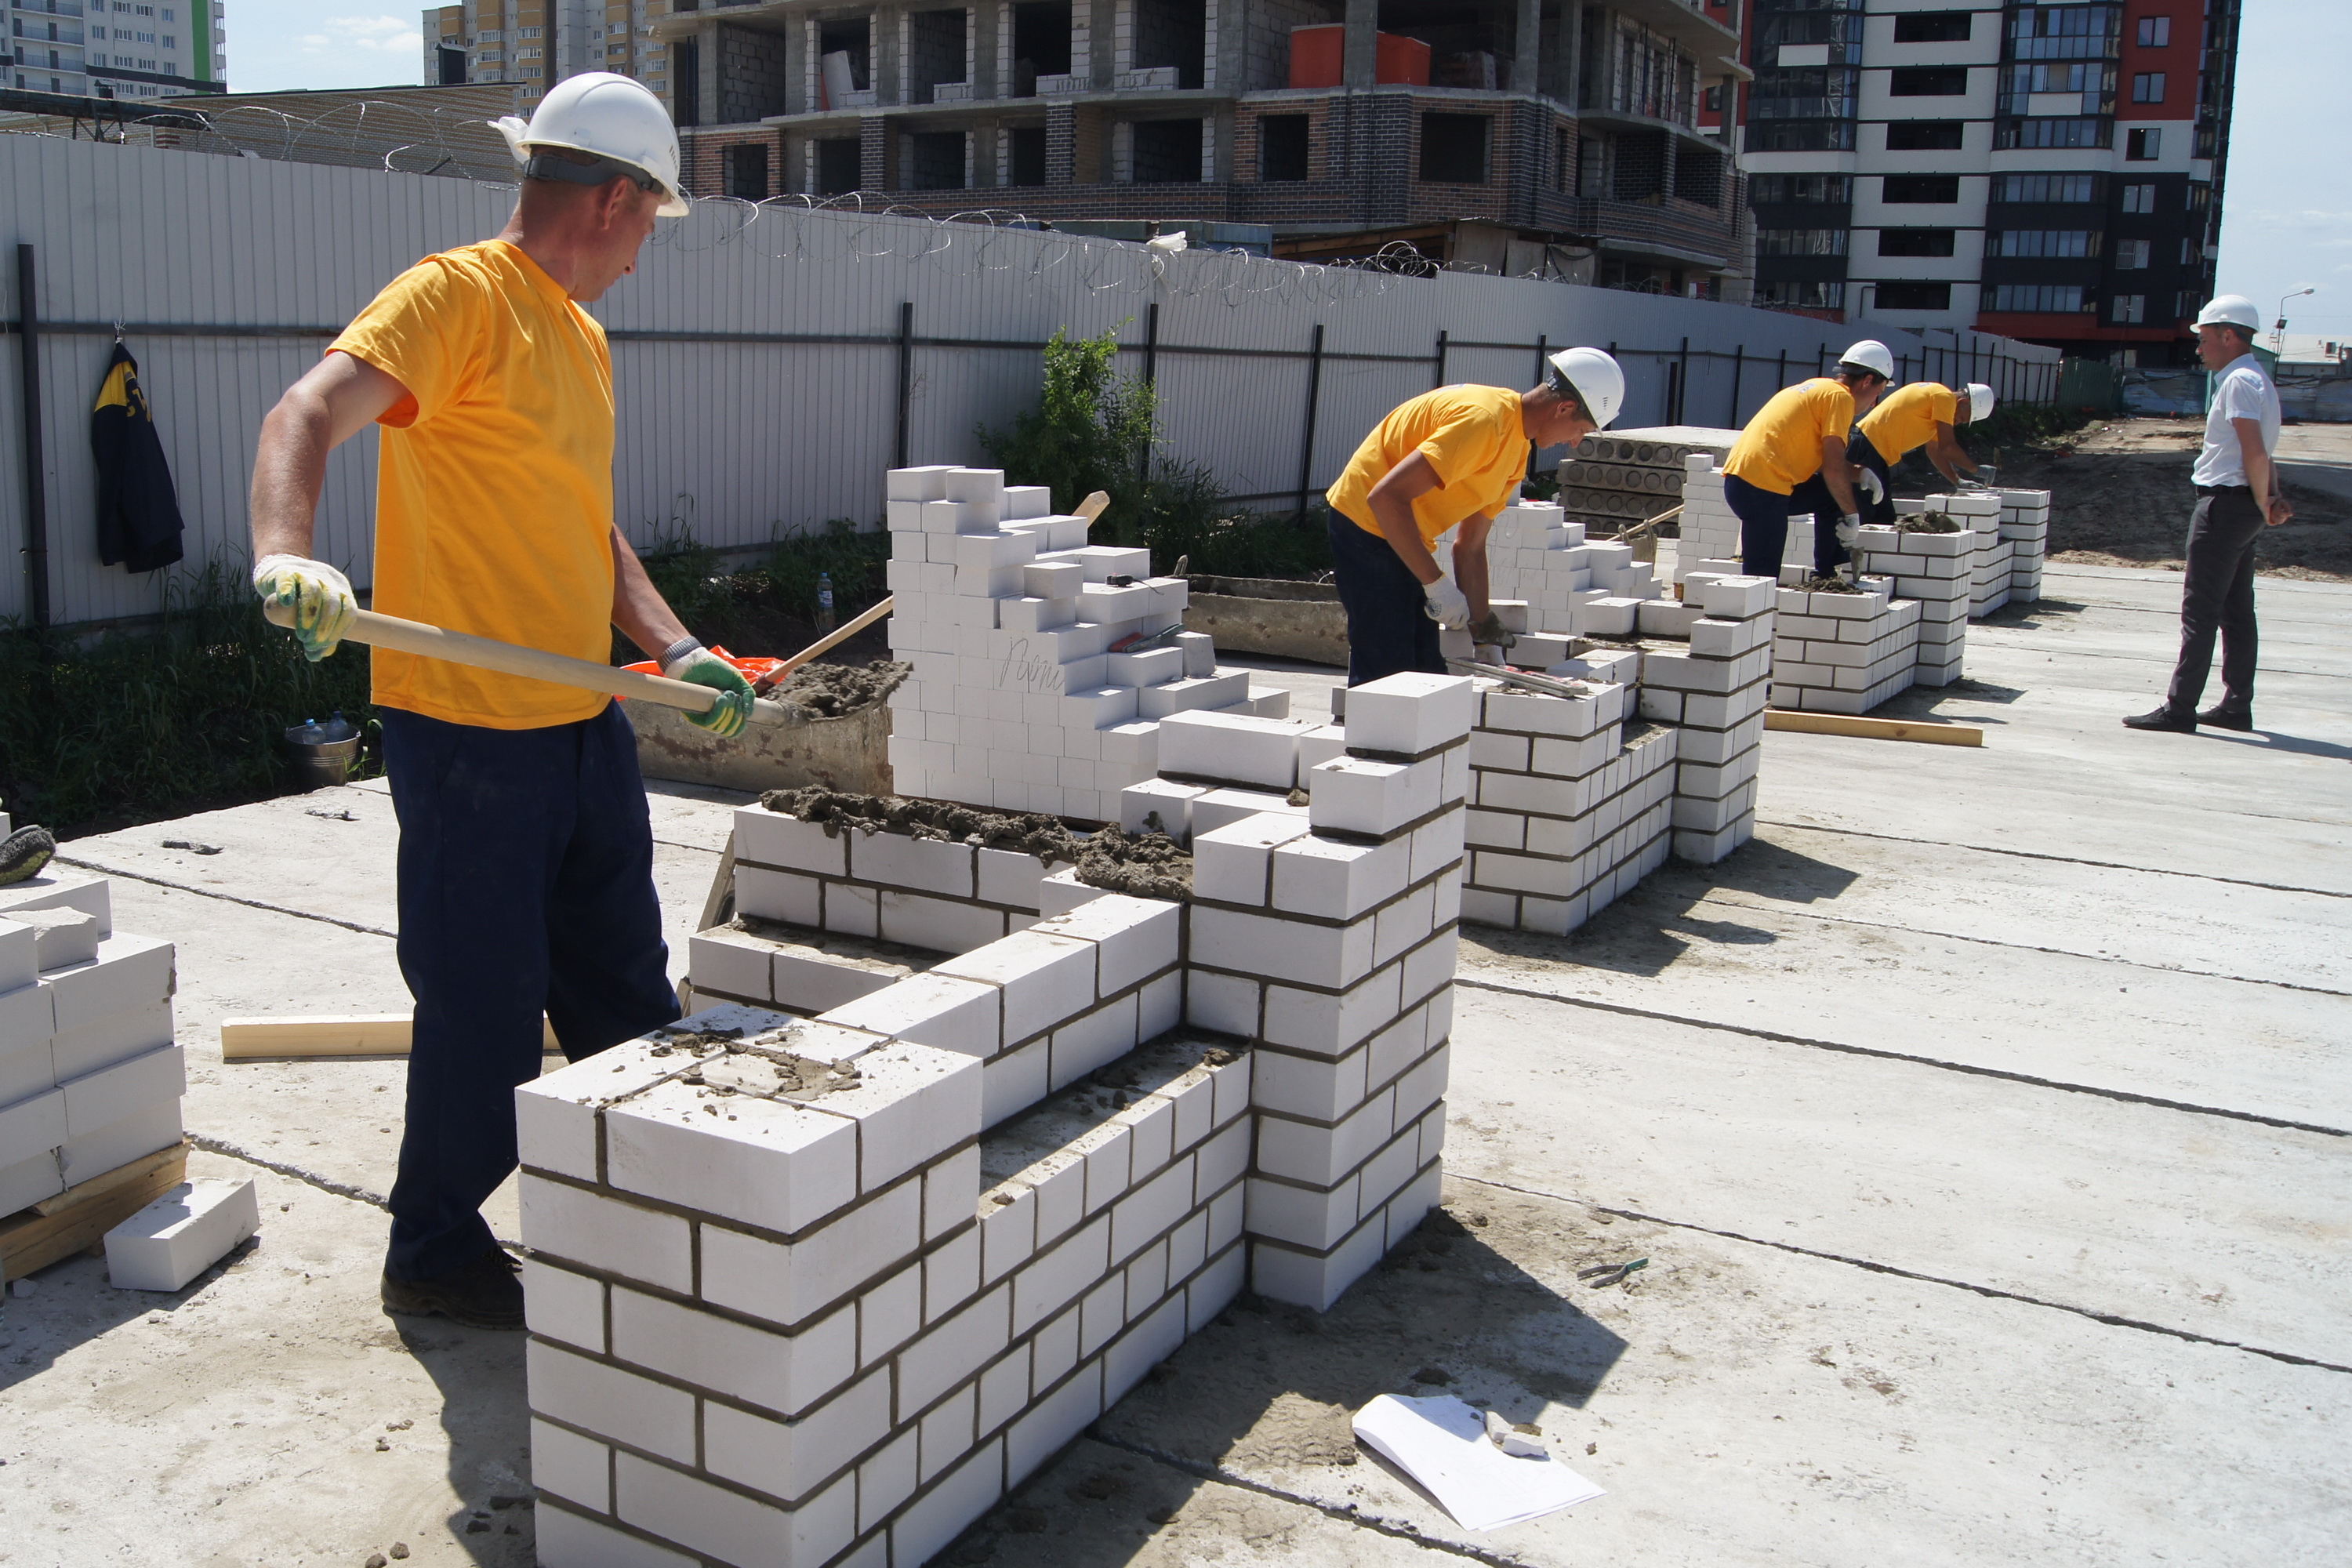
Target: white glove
1849,529
1488,653
1969,483
1872,486
1446,604
319,596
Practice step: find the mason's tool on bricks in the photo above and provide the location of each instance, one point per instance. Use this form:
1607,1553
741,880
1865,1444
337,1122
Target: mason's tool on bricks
1519,678
533,664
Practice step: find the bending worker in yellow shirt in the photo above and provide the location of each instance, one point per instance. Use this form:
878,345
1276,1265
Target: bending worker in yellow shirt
526,854
1454,457
1791,459
1919,414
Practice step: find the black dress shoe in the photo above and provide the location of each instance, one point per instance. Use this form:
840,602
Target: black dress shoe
483,1294
2162,719
2222,716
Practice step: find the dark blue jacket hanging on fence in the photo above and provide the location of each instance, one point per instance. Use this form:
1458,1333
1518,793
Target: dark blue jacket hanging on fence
138,510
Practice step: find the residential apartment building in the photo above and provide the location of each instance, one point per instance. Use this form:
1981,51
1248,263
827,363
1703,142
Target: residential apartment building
1597,133
117,48
2050,171
534,44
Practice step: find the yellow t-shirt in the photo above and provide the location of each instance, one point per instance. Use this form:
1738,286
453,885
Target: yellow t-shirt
494,491
1906,419
1472,437
1782,447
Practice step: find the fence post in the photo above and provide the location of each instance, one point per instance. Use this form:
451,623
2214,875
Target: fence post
906,374
37,494
1441,358
1314,394
1781,385
1738,370
1150,379
1543,378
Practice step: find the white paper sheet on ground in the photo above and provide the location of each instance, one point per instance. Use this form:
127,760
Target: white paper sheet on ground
1441,1442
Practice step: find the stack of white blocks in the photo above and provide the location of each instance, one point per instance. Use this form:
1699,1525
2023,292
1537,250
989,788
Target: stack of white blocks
1845,653
2025,523
1570,586
1007,615
90,1078
1715,696
1935,571
835,1323
1710,529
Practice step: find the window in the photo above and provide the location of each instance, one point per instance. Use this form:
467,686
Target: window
171,42
1929,81
1167,151
528,33
2139,198
1790,294
1028,155
1915,296
1801,242
2065,32
2155,32
2045,242
2145,146
1766,189
2127,310
1915,242
837,165
1282,147
2085,132
1713,99
1933,27
746,170
2131,255
2062,298
1924,136
1454,149
1932,190
2200,195
2148,87
2046,187
2188,250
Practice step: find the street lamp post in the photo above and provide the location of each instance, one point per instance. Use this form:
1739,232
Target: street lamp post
2278,333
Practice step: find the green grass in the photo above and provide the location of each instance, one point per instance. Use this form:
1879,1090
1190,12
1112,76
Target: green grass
158,722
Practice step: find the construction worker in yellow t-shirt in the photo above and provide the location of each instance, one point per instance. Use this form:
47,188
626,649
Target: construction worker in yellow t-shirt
1791,459
526,853
1449,459
1920,415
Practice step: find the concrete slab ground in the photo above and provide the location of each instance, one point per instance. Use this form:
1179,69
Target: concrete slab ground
1984,1124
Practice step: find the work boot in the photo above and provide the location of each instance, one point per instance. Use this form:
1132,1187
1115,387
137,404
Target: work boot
483,1294
2228,715
2162,719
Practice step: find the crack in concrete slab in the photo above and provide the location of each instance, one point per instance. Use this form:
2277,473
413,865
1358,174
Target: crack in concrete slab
1994,1292
308,1178
225,897
2124,1096
1223,1477
2020,946
2060,859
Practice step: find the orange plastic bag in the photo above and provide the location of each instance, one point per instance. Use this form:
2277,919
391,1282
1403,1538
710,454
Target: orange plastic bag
750,670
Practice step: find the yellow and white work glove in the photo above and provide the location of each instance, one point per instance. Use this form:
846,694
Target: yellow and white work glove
319,596
1872,486
1849,529
1445,604
691,661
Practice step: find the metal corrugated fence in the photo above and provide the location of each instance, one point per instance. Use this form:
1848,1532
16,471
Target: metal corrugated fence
758,353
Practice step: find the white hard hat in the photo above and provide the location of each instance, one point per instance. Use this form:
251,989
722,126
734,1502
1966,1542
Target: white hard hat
2230,311
1596,381
611,116
1981,401
1870,354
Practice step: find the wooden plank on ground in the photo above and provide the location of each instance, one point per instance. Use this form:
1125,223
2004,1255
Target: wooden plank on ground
31,1241
333,1035
176,1157
1874,729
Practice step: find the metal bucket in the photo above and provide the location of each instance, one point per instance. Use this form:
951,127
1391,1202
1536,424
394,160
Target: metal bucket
323,759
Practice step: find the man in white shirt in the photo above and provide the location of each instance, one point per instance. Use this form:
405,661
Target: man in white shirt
2237,497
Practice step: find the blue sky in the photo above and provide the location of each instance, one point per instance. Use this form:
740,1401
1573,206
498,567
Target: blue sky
2286,214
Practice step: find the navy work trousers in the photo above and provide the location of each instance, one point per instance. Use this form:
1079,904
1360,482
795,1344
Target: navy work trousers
1764,524
1389,628
526,887
2217,598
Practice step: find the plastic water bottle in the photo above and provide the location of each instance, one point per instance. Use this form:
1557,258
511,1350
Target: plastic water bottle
824,601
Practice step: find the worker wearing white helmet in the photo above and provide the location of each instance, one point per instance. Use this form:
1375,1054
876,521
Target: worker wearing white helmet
1922,414
2237,497
1791,459
1448,459
526,857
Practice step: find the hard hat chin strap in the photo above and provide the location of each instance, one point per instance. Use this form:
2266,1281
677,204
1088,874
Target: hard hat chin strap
548,165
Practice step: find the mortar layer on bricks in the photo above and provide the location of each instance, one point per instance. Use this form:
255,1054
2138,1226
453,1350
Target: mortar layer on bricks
91,1077
1008,620
814,1290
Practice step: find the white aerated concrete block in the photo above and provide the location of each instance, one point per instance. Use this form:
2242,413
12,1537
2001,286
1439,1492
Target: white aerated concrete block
1232,748
1411,713
181,1234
